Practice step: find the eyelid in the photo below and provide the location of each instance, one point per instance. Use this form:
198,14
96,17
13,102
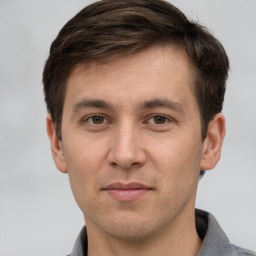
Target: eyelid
168,119
108,120
85,119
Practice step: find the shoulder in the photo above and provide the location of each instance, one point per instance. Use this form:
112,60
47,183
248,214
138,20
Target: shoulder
243,252
215,241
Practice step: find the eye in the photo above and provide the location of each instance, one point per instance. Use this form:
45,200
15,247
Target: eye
96,120
158,119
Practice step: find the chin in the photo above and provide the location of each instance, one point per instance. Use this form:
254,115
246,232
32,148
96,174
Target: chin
129,228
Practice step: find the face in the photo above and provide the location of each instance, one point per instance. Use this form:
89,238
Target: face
131,143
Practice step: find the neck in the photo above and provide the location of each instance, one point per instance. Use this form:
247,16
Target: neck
180,239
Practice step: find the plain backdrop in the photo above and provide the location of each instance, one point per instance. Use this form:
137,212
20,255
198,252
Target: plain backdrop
38,215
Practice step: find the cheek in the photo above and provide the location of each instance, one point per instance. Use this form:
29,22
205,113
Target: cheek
178,161
84,153
175,152
84,161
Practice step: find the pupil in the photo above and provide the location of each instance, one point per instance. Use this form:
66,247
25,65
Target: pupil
159,119
97,119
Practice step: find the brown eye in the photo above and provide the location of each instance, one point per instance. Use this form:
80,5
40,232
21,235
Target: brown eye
96,119
159,119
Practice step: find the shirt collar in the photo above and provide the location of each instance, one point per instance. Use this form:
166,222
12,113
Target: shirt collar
215,241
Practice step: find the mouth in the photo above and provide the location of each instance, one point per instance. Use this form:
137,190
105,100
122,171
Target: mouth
127,192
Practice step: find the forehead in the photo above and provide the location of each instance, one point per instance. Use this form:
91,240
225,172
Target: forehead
154,72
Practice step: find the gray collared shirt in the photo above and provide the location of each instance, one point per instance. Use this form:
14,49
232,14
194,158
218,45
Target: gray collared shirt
215,241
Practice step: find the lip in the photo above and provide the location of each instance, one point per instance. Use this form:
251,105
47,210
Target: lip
127,191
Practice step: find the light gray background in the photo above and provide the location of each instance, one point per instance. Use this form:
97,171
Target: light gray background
38,215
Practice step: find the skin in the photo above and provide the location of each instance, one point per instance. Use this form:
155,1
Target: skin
136,120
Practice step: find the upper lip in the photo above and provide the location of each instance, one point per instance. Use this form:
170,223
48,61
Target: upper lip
126,186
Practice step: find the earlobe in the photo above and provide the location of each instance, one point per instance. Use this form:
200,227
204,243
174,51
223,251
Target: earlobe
213,142
56,146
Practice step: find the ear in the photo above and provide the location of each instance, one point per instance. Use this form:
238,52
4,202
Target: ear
213,142
56,145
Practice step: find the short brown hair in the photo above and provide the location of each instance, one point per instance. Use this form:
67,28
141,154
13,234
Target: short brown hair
110,28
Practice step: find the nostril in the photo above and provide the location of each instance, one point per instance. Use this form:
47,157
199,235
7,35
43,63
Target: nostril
114,164
126,166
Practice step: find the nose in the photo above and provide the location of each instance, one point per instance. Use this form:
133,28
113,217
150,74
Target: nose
126,148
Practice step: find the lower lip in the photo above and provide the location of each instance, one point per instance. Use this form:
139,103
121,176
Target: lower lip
127,194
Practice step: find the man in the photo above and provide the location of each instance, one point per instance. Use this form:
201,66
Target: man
134,93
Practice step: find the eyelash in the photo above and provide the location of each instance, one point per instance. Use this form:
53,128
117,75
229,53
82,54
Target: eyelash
166,119
95,116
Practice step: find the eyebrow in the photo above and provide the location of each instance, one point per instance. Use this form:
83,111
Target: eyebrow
150,104
163,102
93,103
